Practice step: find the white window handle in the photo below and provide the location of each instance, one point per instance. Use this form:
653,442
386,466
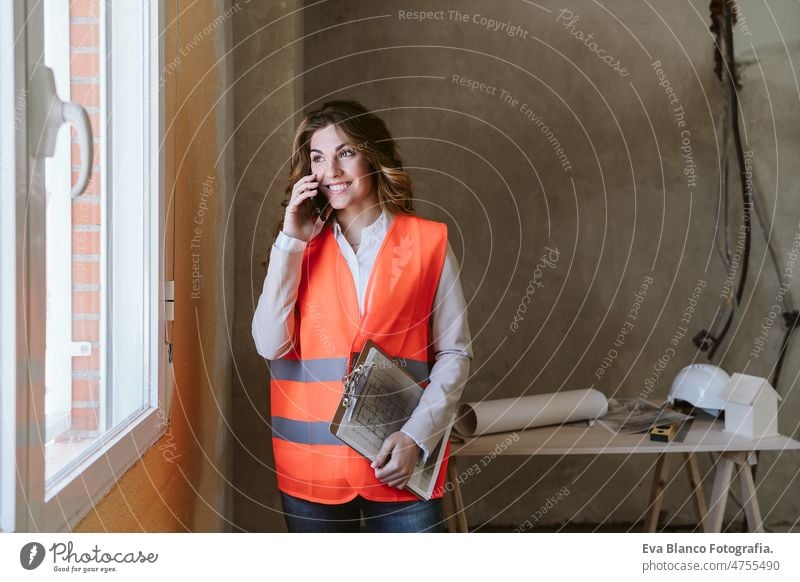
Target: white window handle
48,113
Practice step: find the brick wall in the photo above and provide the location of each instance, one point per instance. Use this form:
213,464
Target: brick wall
84,40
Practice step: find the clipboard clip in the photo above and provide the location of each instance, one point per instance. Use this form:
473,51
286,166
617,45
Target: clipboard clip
351,381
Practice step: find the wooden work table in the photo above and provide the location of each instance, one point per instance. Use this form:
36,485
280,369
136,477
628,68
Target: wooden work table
705,435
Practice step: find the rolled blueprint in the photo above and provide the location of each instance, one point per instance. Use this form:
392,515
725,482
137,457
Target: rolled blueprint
509,414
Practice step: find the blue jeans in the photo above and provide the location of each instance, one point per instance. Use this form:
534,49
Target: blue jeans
379,516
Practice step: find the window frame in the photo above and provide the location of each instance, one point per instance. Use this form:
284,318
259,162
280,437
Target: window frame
25,503
59,172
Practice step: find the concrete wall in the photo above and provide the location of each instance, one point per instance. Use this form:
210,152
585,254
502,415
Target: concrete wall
182,482
267,55
552,148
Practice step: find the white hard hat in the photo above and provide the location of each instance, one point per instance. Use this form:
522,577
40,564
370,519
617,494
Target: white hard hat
701,385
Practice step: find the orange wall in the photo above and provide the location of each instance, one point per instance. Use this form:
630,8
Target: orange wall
179,483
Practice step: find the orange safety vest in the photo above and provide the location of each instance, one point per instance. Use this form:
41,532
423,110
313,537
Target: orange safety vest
306,384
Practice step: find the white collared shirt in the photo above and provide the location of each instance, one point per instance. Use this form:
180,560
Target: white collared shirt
273,320
360,262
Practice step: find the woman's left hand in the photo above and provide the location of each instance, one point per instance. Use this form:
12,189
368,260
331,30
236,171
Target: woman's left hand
396,460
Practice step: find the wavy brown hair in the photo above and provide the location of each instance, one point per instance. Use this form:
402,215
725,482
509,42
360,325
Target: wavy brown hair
369,135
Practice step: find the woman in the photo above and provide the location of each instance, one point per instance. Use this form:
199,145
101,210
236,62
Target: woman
353,262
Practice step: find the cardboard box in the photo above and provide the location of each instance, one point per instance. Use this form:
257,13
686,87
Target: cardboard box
751,409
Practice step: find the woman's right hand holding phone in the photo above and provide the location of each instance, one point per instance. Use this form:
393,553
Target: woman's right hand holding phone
298,222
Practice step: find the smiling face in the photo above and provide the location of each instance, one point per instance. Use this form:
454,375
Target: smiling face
343,172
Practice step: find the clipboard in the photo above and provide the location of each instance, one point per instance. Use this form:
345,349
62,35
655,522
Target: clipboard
379,397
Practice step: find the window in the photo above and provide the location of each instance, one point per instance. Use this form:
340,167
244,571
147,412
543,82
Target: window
96,322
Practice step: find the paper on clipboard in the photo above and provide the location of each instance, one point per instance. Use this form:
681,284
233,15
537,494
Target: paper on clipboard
379,398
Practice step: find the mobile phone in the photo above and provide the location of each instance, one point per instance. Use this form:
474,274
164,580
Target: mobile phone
319,203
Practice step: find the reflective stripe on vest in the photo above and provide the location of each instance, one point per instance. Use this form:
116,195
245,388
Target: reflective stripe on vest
306,386
331,369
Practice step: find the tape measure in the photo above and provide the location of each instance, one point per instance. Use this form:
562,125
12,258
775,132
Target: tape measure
663,434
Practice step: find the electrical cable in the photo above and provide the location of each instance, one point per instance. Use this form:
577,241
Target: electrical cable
729,73
726,68
722,199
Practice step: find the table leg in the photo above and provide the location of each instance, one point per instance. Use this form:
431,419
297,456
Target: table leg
657,492
461,516
449,510
719,494
749,500
696,485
